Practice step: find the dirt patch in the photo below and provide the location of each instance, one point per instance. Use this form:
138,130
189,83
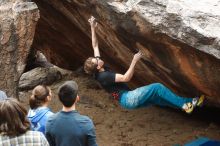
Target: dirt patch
152,126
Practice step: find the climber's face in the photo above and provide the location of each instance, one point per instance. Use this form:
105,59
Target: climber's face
99,62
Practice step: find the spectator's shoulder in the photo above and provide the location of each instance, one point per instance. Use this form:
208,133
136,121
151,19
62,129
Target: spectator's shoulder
34,133
49,114
85,121
52,117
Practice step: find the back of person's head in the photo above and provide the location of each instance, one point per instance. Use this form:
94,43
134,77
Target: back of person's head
13,121
68,93
39,96
2,95
89,66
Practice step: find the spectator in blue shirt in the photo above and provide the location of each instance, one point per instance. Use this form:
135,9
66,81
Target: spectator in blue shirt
68,127
39,112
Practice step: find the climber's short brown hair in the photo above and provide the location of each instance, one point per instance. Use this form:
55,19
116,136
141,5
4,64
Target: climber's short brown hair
89,66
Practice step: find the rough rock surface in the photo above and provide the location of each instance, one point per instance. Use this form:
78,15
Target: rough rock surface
41,76
180,39
18,20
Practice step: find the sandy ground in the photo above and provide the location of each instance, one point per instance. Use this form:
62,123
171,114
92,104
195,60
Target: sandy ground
152,126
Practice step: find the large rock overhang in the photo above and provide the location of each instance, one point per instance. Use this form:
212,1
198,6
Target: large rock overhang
181,50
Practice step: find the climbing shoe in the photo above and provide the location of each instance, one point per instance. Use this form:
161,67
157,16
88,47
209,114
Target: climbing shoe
198,101
188,107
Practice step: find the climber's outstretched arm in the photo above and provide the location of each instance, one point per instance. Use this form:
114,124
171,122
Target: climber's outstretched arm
130,72
95,45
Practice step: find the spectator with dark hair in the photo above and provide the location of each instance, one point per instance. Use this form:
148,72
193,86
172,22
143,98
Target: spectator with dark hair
2,95
68,127
15,127
39,112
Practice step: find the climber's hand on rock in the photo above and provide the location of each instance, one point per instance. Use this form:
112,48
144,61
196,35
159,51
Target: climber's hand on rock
93,22
137,56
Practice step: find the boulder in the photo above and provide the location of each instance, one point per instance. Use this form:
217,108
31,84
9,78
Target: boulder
41,76
17,26
180,39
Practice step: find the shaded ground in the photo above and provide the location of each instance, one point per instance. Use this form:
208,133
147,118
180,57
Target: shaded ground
153,126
